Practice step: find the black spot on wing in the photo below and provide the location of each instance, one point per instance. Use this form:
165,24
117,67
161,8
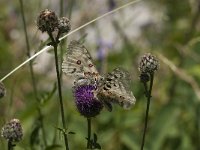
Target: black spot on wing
74,70
108,86
108,79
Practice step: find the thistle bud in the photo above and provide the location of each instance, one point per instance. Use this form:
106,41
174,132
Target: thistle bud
47,21
148,64
64,25
12,131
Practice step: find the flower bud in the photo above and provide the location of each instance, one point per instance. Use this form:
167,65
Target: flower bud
64,25
148,64
12,131
47,21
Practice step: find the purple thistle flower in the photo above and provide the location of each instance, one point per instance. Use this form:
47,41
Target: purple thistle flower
86,103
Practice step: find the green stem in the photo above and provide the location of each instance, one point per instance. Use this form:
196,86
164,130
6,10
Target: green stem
10,145
32,72
28,48
198,123
146,89
42,125
55,46
61,7
60,96
89,133
62,42
71,4
148,95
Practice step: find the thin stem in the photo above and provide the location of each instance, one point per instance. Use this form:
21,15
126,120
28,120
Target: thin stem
148,95
61,7
62,42
42,126
55,45
60,96
28,47
32,72
198,123
10,145
89,133
146,89
71,3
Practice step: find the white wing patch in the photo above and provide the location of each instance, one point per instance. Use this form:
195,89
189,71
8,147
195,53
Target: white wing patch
78,62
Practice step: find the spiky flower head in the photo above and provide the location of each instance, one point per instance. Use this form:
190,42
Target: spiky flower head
148,64
86,103
2,90
64,25
12,131
47,21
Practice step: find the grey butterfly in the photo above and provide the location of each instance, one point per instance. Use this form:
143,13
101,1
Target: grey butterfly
111,88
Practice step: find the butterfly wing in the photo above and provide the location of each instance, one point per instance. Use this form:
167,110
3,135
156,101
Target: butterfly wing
113,88
116,89
78,63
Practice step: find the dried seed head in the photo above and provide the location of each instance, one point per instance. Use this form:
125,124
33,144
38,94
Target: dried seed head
64,25
47,21
12,131
148,64
86,103
2,90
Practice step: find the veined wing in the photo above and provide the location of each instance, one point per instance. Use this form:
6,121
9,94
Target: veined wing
116,89
78,62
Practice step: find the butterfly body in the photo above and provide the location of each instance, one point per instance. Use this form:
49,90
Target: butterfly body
111,88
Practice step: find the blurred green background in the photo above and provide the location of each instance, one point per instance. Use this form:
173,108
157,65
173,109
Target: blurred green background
169,29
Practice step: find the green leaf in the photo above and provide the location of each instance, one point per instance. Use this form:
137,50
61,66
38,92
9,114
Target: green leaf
54,147
34,138
48,95
130,140
71,132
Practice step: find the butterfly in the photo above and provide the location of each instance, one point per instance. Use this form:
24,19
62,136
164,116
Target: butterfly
111,88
